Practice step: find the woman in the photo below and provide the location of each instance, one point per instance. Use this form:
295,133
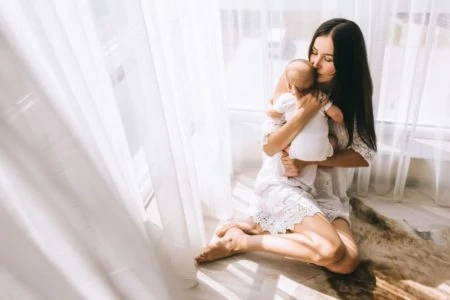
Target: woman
338,53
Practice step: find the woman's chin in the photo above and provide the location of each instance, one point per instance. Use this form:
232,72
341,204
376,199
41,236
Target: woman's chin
323,79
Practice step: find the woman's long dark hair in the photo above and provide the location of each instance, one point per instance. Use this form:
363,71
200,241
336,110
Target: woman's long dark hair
352,91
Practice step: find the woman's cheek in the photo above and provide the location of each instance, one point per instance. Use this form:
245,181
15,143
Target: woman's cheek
330,70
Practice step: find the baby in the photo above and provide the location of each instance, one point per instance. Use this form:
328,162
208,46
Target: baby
312,143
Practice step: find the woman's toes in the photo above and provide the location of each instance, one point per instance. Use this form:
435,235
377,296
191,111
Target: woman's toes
222,230
228,245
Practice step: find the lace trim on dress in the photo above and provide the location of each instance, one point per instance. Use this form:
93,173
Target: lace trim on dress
293,213
360,147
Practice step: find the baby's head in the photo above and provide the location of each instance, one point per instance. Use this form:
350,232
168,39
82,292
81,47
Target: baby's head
300,75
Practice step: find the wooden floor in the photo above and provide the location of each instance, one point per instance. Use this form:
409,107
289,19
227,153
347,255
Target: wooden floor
261,276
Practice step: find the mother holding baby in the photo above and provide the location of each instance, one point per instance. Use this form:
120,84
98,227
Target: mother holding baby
321,233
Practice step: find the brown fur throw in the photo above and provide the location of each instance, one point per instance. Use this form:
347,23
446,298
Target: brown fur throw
396,263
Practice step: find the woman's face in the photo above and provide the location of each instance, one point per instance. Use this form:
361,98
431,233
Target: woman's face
322,58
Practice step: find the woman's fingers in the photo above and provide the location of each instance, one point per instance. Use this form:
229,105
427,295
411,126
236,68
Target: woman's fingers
321,98
290,169
316,99
310,103
288,163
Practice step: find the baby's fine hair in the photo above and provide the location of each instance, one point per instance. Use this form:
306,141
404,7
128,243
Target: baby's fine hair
292,66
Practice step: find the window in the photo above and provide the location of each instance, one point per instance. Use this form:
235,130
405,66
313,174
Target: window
119,37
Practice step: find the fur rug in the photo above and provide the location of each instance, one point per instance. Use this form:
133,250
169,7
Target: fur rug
396,263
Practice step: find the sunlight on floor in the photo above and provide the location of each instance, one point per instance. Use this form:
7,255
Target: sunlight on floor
217,286
240,274
426,290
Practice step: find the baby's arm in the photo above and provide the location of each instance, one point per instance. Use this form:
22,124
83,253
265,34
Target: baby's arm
279,105
273,113
335,113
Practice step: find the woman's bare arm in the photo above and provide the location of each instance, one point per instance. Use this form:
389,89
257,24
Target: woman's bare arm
282,137
344,159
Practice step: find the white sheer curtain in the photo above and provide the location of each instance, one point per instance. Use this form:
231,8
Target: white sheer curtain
414,96
408,44
107,108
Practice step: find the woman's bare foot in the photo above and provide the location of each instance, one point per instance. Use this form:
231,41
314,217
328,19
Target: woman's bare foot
228,245
249,227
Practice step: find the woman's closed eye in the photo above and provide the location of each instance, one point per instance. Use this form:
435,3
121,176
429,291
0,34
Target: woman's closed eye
326,56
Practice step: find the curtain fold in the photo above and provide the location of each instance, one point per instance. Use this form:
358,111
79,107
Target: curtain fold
185,42
68,233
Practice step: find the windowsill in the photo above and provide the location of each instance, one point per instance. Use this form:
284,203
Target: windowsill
425,148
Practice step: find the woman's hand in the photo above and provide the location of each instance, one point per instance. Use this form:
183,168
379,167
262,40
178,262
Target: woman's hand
282,137
292,167
310,104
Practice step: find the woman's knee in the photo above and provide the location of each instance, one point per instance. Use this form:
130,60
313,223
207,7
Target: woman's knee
325,241
347,265
329,252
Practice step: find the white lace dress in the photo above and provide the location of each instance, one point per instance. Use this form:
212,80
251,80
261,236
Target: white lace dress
284,204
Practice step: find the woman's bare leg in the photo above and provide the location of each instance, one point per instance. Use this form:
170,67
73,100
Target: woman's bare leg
350,260
248,227
315,240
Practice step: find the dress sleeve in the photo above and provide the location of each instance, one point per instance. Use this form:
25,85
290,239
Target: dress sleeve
324,109
327,106
360,147
284,102
270,125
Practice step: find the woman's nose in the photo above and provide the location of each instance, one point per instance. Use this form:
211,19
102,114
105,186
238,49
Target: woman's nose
317,61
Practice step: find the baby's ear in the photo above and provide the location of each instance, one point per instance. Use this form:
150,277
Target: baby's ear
288,85
298,94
